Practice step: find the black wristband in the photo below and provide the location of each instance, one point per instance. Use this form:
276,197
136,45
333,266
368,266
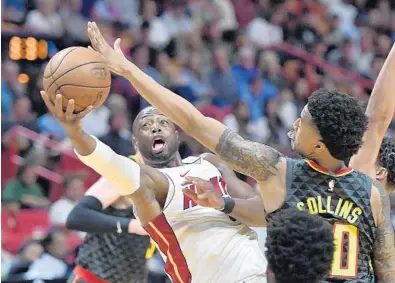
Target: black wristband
229,205
124,225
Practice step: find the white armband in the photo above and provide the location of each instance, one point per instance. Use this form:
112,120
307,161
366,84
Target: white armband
122,172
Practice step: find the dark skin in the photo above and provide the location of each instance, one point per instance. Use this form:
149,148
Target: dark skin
261,162
151,195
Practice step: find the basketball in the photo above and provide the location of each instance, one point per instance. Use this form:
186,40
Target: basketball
77,73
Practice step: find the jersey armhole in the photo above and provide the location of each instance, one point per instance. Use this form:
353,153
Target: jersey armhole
170,192
288,174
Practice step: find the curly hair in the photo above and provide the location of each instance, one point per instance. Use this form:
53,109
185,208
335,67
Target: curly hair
340,120
387,158
299,246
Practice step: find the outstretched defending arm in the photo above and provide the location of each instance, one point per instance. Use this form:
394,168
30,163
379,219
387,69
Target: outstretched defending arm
87,215
380,110
253,159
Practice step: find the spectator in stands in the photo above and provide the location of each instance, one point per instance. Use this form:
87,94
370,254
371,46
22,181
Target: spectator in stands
73,21
25,190
119,138
221,80
244,71
256,94
21,114
45,19
10,87
176,21
73,188
51,265
159,36
28,253
238,119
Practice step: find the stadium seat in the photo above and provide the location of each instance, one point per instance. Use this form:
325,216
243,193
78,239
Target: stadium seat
8,222
12,241
31,220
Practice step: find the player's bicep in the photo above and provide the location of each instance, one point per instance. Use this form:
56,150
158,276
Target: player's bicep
384,246
253,159
155,181
104,192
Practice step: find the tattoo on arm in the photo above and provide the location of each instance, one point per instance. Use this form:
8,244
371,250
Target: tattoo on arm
384,248
247,157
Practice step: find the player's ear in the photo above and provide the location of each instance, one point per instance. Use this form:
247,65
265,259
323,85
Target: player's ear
381,173
319,147
135,143
177,136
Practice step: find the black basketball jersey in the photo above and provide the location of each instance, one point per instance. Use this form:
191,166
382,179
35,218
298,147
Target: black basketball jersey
343,199
118,258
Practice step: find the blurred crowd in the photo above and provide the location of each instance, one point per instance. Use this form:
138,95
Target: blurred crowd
250,64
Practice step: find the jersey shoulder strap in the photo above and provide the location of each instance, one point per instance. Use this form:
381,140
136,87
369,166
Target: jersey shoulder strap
135,158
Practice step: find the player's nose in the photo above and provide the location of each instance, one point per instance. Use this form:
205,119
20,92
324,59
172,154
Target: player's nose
156,128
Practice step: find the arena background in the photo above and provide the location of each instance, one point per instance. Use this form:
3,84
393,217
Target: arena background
250,64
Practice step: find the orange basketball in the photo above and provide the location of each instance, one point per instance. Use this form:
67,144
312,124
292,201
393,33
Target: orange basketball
77,73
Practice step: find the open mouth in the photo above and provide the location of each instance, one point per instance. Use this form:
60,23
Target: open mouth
158,146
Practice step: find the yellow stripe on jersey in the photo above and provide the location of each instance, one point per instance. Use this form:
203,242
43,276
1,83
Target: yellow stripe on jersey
152,248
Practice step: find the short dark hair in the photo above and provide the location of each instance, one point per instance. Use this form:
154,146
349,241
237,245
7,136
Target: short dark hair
299,246
386,158
340,120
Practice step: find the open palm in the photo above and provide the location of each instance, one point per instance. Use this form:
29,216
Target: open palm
114,57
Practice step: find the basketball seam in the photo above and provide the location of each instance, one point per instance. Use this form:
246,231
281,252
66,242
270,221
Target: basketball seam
72,69
85,86
51,75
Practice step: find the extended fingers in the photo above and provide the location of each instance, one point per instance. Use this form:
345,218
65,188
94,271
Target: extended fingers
50,105
190,194
87,110
96,38
58,106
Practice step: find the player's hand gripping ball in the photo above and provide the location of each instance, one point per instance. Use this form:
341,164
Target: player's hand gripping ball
80,74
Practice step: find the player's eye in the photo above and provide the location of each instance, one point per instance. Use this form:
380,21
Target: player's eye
145,125
164,122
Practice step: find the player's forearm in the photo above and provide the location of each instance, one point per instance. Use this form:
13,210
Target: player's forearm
83,143
123,173
380,111
170,104
249,211
86,216
381,104
176,108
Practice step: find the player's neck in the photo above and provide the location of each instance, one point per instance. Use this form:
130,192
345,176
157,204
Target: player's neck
331,164
173,162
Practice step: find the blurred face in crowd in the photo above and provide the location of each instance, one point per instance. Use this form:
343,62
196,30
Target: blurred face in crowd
194,62
58,246
247,57
22,109
241,111
29,175
155,137
75,189
119,121
32,252
149,10
10,71
141,56
75,5
221,59
47,7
